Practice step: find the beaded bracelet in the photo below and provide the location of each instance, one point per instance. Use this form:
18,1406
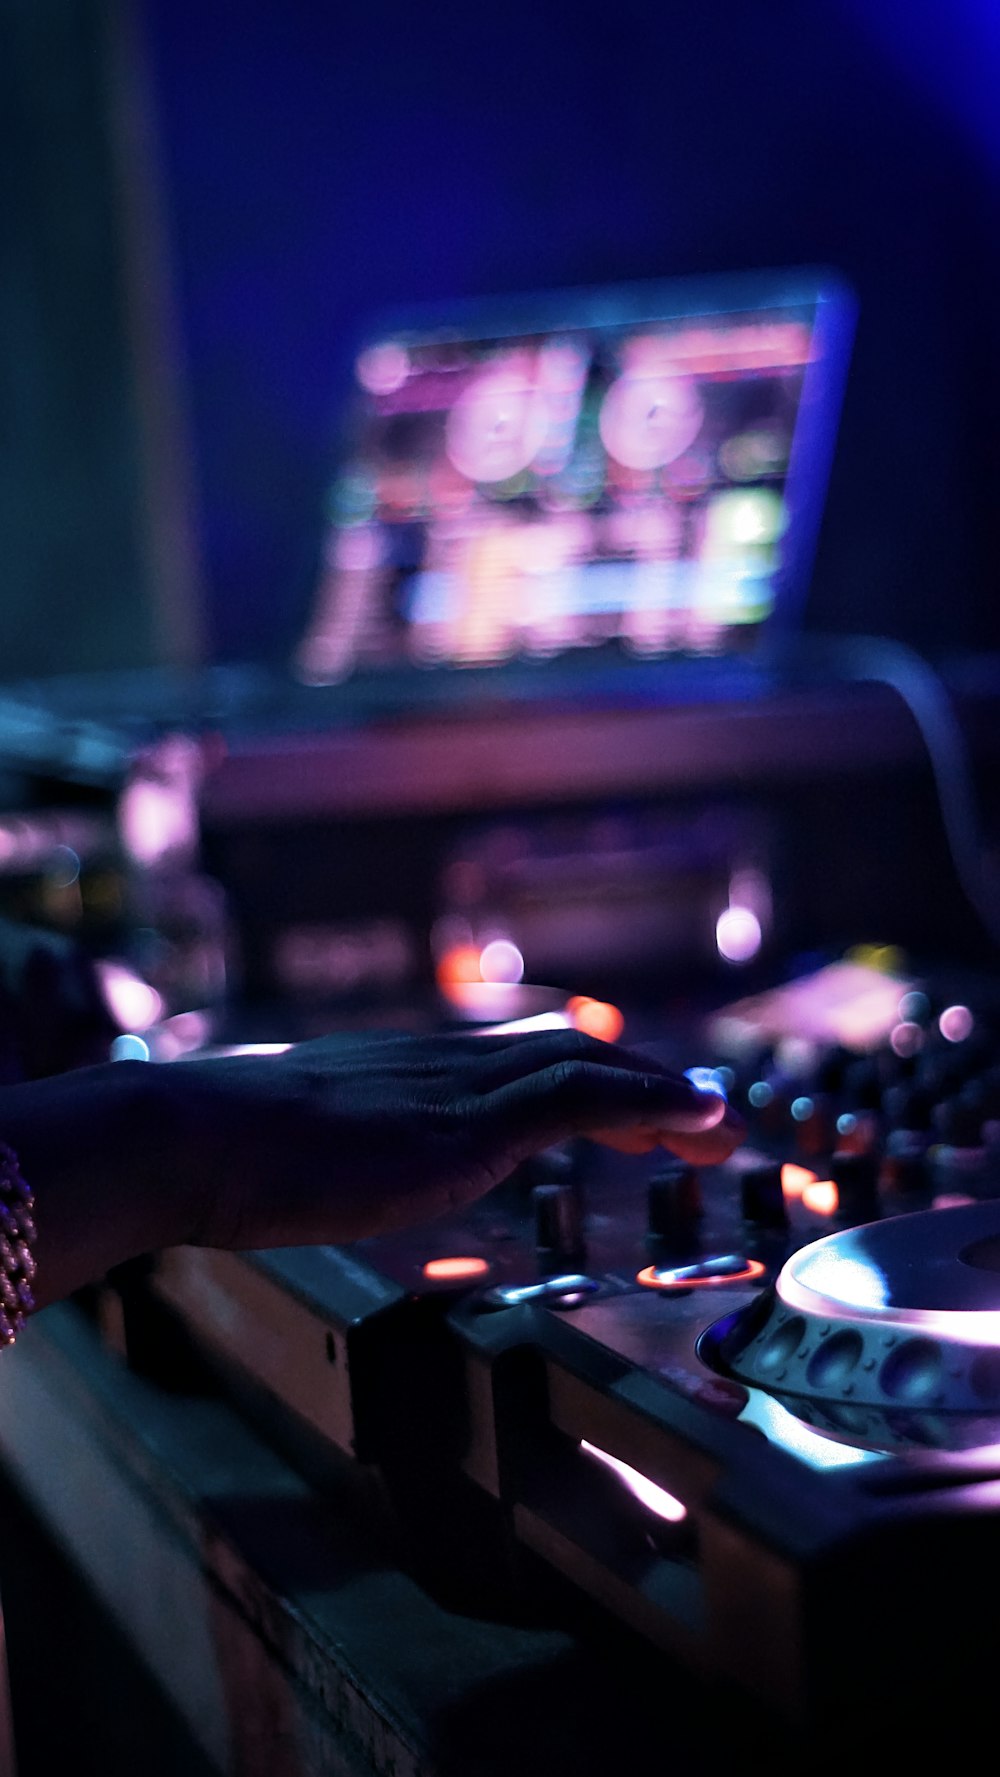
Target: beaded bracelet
17,1236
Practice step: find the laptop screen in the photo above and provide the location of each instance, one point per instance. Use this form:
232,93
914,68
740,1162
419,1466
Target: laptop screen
580,480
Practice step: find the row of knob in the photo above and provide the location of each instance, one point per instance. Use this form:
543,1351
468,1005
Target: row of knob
950,1092
674,1213
880,1127
865,1182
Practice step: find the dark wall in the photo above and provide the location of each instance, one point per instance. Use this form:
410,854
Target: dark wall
326,160
319,162
94,562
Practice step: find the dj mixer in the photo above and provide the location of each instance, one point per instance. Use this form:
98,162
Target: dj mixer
748,1413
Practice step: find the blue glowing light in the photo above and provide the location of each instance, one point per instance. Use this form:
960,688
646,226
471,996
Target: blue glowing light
710,1079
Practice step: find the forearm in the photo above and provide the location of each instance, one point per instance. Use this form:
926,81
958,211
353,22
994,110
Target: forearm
93,1144
333,1140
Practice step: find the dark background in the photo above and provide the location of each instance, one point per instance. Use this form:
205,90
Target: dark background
213,197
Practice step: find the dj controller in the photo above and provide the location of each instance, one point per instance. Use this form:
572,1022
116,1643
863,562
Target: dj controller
748,1413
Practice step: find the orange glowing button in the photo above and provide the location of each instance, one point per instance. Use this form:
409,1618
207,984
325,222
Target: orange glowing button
598,1018
455,1270
794,1179
822,1197
458,965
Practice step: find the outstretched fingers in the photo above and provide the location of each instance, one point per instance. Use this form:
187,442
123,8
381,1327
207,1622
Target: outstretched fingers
632,1109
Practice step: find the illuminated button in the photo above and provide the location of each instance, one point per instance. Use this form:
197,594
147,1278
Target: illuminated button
858,1132
710,1079
906,1039
821,1197
796,1179
500,960
738,935
557,1291
915,1007
597,1018
458,1270
726,1268
955,1024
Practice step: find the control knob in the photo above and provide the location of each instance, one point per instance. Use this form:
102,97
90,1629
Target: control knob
762,1196
559,1237
674,1207
856,1178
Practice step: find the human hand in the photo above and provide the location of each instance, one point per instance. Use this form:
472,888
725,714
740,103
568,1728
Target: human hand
353,1135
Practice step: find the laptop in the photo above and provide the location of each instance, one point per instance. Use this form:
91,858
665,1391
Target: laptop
587,495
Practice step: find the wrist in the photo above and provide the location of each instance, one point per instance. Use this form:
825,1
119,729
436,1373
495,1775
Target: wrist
95,1146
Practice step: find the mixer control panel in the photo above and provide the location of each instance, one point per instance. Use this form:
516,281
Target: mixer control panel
703,1397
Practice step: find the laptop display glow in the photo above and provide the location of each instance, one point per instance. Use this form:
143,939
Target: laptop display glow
581,480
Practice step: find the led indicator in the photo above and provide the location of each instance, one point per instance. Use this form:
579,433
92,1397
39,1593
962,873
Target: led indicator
738,935
597,1018
914,1006
459,1270
711,1079
794,1179
955,1024
821,1197
500,960
383,368
458,965
132,1002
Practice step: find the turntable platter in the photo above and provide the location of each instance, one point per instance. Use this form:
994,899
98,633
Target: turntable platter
888,1333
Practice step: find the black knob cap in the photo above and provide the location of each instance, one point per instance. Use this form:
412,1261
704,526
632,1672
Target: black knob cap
864,1084
674,1204
905,1169
856,1179
943,1071
959,1121
908,1106
990,1089
832,1069
559,1238
762,1198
